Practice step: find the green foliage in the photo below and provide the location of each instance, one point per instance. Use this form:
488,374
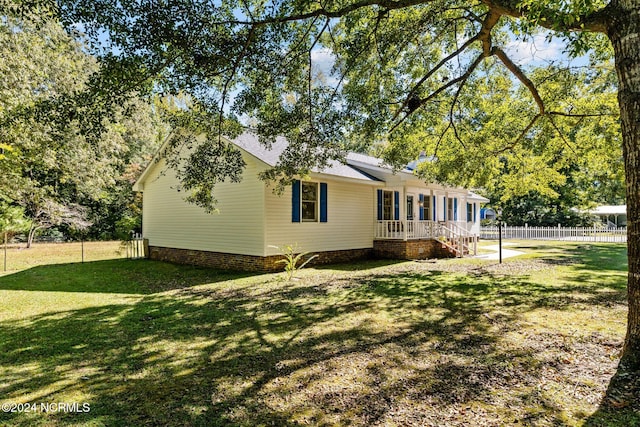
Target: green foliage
66,163
403,77
13,220
292,256
478,125
492,147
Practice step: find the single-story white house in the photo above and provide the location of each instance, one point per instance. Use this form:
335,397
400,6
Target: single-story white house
347,211
612,216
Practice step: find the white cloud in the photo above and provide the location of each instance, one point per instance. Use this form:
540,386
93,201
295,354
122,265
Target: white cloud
536,49
323,60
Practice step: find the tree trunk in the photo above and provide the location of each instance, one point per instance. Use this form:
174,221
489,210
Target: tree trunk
624,33
32,233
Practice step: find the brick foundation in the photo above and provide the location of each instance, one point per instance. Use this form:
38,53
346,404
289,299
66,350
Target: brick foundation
226,261
384,249
410,249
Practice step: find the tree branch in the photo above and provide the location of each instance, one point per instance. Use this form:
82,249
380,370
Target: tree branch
520,75
227,82
555,126
322,12
441,89
431,72
520,137
435,151
555,20
484,35
560,113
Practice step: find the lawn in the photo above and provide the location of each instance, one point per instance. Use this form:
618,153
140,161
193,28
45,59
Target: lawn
20,258
533,341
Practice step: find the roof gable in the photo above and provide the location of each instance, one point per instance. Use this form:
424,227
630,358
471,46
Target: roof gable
357,166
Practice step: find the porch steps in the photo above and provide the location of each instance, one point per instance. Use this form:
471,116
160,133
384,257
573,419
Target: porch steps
450,246
457,241
453,238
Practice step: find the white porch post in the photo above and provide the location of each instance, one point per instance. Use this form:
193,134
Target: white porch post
403,213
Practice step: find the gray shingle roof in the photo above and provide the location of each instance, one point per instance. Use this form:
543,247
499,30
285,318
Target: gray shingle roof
365,160
250,143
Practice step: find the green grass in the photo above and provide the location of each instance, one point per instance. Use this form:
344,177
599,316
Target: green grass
20,258
533,341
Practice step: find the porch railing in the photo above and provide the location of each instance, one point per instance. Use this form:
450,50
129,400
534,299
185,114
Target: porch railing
405,230
450,234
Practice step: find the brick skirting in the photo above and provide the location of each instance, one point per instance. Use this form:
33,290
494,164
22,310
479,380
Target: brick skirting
410,249
227,261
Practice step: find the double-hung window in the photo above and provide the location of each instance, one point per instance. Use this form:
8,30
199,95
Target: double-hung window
387,205
426,208
309,201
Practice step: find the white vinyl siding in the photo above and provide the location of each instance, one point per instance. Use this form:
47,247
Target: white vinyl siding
350,223
169,221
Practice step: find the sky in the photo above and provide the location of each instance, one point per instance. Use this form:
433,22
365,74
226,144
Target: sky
537,50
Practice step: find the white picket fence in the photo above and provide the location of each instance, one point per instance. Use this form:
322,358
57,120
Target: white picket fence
135,246
576,234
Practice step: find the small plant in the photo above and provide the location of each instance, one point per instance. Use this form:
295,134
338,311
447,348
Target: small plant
292,256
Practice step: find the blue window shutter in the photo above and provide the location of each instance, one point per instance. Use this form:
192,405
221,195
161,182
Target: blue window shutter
435,212
396,205
295,201
455,209
379,205
421,198
444,208
323,202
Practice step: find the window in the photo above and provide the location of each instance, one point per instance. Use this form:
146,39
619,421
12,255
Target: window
426,208
309,201
387,205
470,217
450,216
410,208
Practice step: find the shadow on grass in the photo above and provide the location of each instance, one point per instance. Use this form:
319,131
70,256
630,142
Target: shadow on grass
413,347
361,265
621,404
120,276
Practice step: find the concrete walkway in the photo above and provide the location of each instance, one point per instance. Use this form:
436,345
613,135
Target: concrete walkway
506,253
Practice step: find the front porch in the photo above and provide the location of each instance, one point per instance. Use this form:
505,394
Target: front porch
449,235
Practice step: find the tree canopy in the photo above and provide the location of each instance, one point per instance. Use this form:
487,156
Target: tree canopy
405,74
53,171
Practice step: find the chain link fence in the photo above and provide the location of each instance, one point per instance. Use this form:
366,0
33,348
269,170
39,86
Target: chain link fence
44,251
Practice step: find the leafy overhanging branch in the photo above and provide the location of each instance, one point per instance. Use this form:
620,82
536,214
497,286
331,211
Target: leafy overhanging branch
285,34
554,19
497,10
